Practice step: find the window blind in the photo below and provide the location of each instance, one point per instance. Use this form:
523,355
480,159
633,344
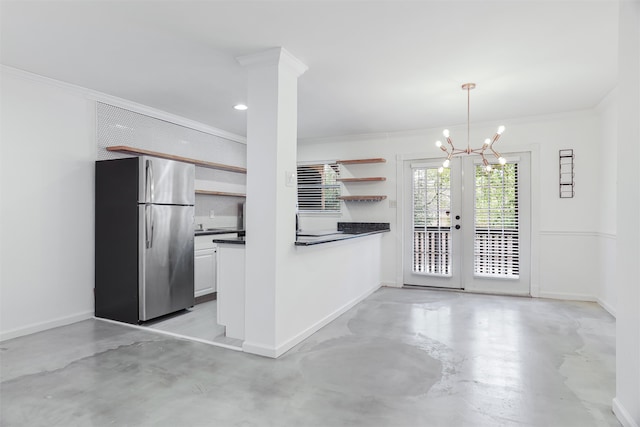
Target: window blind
431,220
318,187
496,218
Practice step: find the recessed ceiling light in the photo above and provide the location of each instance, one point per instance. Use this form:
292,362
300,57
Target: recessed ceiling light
240,107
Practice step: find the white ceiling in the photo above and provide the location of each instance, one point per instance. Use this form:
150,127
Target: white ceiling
374,66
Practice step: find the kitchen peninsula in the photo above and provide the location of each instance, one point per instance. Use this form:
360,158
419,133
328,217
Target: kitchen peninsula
334,268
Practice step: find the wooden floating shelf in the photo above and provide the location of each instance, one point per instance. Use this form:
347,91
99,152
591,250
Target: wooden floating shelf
370,179
220,193
362,198
204,164
361,161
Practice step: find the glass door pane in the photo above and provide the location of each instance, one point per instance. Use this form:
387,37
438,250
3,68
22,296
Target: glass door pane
497,229
431,246
431,221
496,225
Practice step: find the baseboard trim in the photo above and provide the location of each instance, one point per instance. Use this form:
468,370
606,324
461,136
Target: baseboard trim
275,352
43,326
607,307
622,414
391,285
206,298
567,296
260,350
292,342
171,334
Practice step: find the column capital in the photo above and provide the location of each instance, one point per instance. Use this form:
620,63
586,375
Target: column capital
275,56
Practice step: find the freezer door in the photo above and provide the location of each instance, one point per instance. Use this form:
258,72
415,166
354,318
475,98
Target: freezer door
166,282
165,181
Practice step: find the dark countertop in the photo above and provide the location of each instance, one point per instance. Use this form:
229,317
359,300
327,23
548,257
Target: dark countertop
232,240
346,231
221,230
338,236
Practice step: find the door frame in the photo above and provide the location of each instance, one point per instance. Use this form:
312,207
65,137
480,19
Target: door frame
454,279
534,150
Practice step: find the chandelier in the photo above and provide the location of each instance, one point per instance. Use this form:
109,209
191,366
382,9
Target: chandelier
451,150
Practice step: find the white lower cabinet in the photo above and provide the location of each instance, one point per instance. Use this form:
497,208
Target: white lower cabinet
204,266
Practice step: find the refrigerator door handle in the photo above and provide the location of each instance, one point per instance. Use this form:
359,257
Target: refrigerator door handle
152,227
148,227
150,187
146,181
152,184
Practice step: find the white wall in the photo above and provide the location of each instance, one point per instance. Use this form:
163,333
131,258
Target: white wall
323,281
626,404
48,149
565,234
607,225
47,182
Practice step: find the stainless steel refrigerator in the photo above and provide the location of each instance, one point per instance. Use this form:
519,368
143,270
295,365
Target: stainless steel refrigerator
144,238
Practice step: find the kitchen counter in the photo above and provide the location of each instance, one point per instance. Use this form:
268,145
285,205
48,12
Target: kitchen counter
345,231
239,240
221,230
309,240
326,272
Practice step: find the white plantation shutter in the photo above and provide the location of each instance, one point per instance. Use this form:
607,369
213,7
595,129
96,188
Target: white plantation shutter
496,221
318,187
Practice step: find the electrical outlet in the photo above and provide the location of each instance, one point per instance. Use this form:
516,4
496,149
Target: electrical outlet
212,214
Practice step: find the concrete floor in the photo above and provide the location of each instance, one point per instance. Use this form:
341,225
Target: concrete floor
199,322
400,358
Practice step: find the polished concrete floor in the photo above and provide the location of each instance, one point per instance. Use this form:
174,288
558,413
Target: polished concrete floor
400,358
199,322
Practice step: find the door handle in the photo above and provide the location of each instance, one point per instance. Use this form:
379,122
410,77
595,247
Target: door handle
152,227
151,183
147,190
147,226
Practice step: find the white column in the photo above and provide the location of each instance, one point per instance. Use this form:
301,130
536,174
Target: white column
626,404
271,194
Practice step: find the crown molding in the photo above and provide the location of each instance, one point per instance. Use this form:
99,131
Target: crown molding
274,56
124,103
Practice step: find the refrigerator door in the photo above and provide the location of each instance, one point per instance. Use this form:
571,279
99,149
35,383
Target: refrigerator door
165,181
166,282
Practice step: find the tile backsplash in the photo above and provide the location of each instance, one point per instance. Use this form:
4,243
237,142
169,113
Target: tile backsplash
225,211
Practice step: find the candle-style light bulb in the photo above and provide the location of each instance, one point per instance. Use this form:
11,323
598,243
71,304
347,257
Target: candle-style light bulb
502,160
500,130
446,133
440,169
438,144
446,163
488,168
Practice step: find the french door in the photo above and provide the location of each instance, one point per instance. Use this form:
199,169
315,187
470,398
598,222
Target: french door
466,228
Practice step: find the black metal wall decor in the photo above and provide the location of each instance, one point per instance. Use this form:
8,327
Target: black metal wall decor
567,183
